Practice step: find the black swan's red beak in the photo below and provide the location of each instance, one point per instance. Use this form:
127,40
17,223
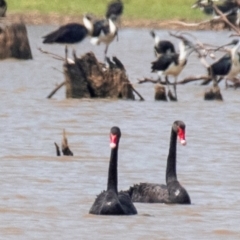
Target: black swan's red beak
113,140
181,136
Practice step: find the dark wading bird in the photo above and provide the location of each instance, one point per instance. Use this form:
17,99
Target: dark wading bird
67,34
70,33
228,7
102,31
65,148
114,8
161,46
227,66
112,202
173,191
172,64
3,8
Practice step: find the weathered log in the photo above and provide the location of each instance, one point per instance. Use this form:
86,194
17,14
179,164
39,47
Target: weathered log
160,93
14,41
87,78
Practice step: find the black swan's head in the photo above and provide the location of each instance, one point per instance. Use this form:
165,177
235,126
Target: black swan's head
115,135
179,128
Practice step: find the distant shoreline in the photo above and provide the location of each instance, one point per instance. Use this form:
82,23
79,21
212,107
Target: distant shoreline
35,18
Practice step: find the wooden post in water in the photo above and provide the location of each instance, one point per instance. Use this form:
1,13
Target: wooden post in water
160,93
14,41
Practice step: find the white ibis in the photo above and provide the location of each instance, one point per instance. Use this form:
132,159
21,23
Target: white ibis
161,46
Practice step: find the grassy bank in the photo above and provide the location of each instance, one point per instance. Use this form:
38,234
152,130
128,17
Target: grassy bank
134,9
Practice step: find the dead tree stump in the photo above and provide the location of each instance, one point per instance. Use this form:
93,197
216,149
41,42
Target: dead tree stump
14,41
213,93
160,93
88,78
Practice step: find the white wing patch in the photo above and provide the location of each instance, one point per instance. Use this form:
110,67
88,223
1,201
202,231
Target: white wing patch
177,192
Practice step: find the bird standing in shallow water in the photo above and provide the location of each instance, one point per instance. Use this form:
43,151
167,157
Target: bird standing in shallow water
112,202
115,8
172,63
103,31
227,66
67,34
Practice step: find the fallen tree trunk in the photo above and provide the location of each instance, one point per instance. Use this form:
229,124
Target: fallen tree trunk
14,41
85,77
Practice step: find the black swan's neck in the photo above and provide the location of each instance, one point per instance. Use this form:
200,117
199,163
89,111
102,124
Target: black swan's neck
112,172
171,174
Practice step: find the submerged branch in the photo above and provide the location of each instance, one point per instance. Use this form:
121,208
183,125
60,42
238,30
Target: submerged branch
56,89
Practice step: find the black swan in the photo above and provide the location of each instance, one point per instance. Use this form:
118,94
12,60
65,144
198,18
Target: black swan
172,192
112,202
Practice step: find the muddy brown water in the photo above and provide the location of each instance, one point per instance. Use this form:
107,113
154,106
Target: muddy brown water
47,197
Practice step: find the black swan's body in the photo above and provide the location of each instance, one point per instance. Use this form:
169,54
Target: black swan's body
172,192
111,202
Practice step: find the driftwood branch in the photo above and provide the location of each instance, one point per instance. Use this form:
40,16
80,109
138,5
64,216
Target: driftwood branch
53,55
139,95
191,24
56,89
224,18
184,81
147,80
193,79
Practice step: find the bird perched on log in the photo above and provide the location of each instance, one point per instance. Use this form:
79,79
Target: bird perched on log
67,34
227,66
65,148
173,63
3,8
161,46
115,63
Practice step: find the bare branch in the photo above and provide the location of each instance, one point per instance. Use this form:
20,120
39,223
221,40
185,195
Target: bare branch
56,89
147,80
224,18
139,95
55,56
